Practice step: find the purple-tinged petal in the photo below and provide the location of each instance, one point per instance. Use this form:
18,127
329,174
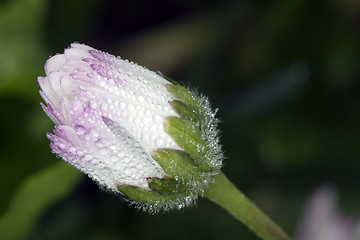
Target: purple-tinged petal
83,87
55,116
322,220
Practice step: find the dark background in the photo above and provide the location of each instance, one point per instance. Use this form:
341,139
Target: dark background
283,74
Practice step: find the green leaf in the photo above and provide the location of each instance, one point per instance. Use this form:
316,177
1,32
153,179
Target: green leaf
34,196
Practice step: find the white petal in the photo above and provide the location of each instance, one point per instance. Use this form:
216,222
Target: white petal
81,46
76,53
55,63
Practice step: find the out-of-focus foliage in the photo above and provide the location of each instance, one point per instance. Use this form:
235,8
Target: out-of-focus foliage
284,75
34,196
21,44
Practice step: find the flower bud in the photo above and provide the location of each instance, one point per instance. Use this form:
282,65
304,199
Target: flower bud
133,131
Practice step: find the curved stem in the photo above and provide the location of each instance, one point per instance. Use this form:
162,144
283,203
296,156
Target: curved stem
225,194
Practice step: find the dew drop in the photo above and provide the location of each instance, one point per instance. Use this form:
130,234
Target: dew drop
121,154
79,129
122,92
102,83
130,119
159,141
140,113
93,104
87,158
131,107
157,118
72,150
145,137
129,73
117,165
127,171
100,143
60,145
87,137
113,158
93,133
153,129
147,113
104,107
122,105
141,99
80,153
103,151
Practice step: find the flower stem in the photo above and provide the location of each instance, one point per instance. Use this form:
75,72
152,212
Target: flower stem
225,194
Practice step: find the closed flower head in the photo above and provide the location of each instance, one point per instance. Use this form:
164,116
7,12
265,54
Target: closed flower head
133,131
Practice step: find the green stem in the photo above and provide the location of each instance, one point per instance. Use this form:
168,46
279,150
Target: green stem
225,194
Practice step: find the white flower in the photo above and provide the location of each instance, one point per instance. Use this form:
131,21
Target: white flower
112,116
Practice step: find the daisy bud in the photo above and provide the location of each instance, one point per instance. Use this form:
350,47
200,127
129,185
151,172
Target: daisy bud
133,131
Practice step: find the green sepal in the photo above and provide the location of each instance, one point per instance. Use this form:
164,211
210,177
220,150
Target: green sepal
167,185
185,96
186,126
142,195
188,137
184,111
167,78
176,163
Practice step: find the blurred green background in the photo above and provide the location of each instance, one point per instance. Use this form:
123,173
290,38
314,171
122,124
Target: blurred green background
284,75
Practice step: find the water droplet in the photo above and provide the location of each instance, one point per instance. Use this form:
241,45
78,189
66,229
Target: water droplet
145,137
93,104
113,158
60,145
117,165
126,159
130,119
131,107
127,171
93,133
137,121
101,143
159,141
153,129
122,92
141,99
147,113
157,118
102,83
87,137
103,151
79,129
122,105
72,150
121,154
80,153
87,158
110,72
104,107
130,74
140,112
